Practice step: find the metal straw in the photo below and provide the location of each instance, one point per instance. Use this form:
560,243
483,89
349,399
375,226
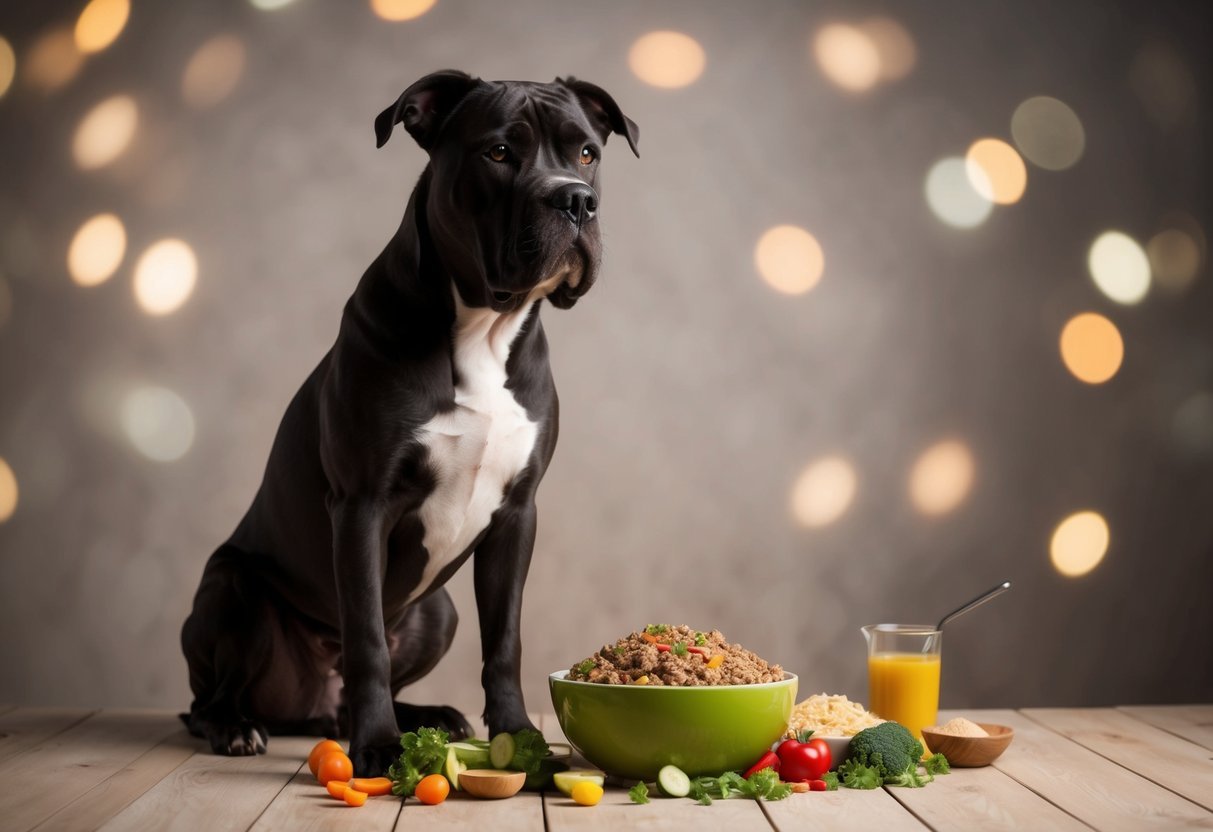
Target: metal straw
976,602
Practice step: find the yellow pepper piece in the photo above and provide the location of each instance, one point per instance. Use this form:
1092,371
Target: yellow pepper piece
587,793
641,680
716,661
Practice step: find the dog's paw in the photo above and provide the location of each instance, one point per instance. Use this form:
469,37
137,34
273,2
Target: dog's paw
375,759
240,738
412,717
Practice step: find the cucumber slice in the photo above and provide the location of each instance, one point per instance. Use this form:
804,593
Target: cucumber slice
566,780
501,750
673,782
473,756
454,767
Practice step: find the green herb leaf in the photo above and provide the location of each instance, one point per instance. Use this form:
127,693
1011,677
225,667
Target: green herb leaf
765,785
422,753
831,779
530,749
937,764
619,651
855,775
639,793
700,639
656,629
680,649
585,667
699,792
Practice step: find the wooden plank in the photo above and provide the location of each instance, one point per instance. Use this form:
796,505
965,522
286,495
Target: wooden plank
65,766
1088,786
617,811
982,798
1171,762
212,792
23,728
1192,722
521,813
843,809
108,798
5,708
306,806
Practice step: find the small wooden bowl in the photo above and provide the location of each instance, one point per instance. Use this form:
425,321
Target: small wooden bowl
490,783
970,752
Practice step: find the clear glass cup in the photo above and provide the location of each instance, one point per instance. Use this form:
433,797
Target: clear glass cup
903,673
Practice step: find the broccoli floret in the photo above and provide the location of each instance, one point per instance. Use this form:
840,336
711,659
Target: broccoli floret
892,751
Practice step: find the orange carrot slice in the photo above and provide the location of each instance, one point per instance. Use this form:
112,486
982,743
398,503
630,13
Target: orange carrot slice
373,786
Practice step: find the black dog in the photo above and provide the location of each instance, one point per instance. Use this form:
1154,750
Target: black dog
419,439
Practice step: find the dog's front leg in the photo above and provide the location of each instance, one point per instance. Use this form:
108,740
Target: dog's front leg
359,560
502,561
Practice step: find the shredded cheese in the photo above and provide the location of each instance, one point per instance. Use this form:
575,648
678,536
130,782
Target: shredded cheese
831,716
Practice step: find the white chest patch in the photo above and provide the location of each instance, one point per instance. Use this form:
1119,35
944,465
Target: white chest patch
478,448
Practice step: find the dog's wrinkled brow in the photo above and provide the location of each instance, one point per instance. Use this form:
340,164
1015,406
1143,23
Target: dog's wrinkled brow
520,132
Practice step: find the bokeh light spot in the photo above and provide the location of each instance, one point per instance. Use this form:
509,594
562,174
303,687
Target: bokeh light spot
97,250
1079,543
213,71
667,59
158,423
1164,84
823,492
941,477
164,276
105,132
1192,427
1174,259
1119,267
848,56
8,65
789,259
952,196
1091,347
100,24
8,491
894,46
995,171
397,10
53,60
1048,133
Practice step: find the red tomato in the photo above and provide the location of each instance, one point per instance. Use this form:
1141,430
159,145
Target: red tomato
803,760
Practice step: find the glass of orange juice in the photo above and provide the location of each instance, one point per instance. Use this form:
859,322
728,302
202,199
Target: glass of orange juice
903,673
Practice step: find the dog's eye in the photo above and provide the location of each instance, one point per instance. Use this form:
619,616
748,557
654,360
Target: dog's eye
587,155
498,153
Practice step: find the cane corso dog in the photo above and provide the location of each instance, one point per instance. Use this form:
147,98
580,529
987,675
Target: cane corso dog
418,440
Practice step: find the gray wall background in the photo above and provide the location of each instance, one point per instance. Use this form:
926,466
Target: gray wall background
692,394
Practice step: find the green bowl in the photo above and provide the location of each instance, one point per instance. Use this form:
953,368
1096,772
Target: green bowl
632,731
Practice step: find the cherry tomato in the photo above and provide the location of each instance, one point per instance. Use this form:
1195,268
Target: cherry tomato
433,789
319,750
334,765
803,760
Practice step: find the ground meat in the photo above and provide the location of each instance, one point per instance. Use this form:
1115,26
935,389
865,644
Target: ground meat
637,660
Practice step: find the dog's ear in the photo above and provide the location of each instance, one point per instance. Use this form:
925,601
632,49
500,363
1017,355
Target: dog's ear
424,106
603,111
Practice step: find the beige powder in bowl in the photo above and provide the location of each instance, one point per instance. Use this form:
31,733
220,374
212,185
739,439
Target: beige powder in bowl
961,727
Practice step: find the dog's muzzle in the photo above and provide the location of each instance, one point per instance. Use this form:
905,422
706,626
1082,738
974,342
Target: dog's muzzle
577,200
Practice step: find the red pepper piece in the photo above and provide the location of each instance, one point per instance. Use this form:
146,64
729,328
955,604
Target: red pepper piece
768,760
662,648
818,786
698,650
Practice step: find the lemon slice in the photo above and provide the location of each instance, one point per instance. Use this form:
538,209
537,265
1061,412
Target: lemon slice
566,780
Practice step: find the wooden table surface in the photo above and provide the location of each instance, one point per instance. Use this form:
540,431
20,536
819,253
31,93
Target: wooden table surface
1130,768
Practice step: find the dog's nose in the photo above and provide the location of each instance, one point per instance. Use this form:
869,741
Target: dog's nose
576,199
